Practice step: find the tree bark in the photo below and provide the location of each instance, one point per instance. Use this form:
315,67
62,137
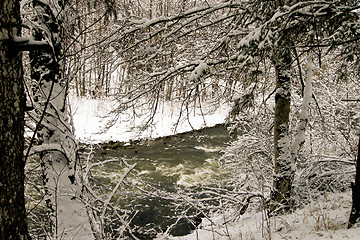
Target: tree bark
12,103
283,172
355,210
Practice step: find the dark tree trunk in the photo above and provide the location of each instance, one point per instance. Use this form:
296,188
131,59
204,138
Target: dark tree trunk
355,210
12,102
283,172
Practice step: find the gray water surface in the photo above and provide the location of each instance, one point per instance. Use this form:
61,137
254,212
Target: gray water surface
184,161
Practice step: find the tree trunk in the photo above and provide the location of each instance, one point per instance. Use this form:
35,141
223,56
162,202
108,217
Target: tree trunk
67,213
284,174
355,210
12,103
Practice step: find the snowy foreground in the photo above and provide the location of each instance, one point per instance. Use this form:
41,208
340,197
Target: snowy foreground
325,218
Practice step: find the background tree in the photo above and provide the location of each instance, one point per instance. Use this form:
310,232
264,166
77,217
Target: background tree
355,209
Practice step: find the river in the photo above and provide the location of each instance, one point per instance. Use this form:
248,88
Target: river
164,167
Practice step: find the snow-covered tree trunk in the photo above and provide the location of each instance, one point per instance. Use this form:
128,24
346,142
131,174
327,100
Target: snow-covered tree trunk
68,216
300,133
286,152
283,172
12,104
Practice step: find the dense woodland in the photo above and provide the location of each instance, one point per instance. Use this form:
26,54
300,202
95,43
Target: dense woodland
290,69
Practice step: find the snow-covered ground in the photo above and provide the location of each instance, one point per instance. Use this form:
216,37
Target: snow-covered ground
90,117
325,218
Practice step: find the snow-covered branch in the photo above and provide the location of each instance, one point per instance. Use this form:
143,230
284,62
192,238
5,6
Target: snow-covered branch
29,44
300,134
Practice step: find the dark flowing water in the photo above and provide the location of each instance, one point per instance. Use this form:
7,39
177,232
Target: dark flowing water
185,161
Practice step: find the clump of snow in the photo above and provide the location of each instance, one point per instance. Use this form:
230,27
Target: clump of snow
198,71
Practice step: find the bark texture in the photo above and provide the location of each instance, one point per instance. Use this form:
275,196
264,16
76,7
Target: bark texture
355,210
12,103
284,174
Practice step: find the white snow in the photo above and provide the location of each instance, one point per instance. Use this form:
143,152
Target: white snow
325,218
300,134
198,71
90,117
29,40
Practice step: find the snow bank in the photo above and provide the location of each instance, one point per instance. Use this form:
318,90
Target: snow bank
90,117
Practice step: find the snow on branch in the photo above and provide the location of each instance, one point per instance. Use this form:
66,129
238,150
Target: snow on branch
199,71
296,14
300,134
47,147
182,21
28,43
205,10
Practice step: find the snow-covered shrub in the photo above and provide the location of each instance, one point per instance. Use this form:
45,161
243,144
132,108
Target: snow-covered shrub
320,174
249,156
38,217
326,161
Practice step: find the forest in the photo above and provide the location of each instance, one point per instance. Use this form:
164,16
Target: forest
164,119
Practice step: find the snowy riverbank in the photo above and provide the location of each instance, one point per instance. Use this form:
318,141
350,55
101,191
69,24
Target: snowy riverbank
90,117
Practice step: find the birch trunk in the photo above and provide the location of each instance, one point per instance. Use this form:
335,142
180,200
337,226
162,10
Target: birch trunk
68,216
